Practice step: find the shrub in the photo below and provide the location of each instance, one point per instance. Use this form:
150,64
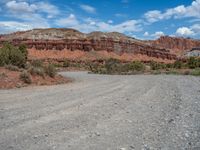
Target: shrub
66,64
25,77
169,65
156,66
156,72
198,62
111,65
37,71
37,63
187,72
196,72
50,70
123,68
93,67
192,63
24,50
12,55
12,68
178,64
137,66
173,72
57,65
3,75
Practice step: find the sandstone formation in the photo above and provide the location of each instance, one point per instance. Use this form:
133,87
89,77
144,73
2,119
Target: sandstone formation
166,48
176,45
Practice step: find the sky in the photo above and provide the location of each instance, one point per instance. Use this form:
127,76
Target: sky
143,19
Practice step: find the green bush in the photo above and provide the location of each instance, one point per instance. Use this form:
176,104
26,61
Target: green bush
93,67
156,72
111,65
198,62
178,64
192,63
196,72
25,77
12,68
24,50
173,72
137,66
57,65
66,63
37,71
37,63
156,66
12,55
169,65
50,70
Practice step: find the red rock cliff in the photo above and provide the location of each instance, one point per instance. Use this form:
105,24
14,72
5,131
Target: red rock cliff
70,39
175,44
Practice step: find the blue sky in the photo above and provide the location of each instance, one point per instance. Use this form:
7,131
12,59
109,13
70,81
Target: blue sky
144,19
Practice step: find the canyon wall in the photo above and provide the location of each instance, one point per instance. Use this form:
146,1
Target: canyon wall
103,44
166,48
175,44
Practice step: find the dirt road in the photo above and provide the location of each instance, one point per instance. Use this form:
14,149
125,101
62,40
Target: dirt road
99,112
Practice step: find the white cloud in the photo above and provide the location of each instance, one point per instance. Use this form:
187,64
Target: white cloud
69,21
88,9
30,14
181,11
110,21
21,7
127,26
184,31
158,34
25,7
50,9
195,28
12,26
146,34
153,16
155,35
88,25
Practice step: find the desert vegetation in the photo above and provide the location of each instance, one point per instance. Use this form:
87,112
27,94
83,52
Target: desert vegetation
191,66
11,55
15,68
114,66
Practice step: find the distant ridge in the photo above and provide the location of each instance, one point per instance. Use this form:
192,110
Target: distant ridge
165,47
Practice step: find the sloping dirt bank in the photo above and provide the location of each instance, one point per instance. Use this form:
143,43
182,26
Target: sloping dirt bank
78,55
11,79
103,112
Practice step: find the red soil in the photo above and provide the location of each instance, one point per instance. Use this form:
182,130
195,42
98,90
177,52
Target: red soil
11,79
91,55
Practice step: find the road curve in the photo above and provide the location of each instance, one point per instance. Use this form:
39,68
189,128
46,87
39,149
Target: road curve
103,112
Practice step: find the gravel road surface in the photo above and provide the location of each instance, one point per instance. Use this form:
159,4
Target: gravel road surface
103,112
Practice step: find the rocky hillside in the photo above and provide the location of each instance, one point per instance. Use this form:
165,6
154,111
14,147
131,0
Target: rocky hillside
176,45
165,48
63,33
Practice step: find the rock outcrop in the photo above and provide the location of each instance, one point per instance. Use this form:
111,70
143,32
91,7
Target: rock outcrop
69,39
103,44
175,44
